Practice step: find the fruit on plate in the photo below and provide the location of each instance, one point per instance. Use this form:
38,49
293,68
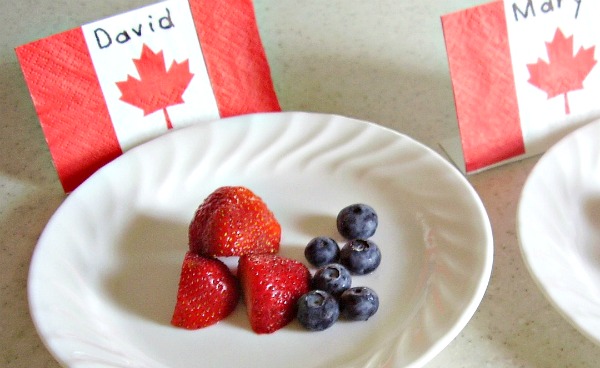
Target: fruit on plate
271,286
208,292
359,303
321,251
356,221
233,221
332,278
360,256
317,310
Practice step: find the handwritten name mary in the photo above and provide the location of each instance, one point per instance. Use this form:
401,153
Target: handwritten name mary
525,9
105,38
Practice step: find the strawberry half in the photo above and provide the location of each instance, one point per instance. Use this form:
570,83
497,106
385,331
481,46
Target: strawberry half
208,292
271,286
233,221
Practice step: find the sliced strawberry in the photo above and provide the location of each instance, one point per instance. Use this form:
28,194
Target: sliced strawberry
271,286
208,292
233,221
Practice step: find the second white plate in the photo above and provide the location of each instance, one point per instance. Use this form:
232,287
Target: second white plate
559,227
104,275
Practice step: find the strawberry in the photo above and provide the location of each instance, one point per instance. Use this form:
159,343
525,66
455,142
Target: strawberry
208,292
271,286
233,221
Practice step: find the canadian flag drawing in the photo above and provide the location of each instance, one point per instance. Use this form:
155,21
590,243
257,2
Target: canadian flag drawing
110,85
157,87
524,74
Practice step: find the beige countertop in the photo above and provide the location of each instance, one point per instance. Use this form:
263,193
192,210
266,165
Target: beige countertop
383,61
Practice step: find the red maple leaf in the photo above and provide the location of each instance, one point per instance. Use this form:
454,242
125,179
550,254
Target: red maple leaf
564,72
157,88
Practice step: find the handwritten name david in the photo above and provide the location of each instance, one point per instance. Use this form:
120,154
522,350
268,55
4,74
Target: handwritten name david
105,38
531,8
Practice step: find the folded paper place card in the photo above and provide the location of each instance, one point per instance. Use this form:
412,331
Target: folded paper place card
524,74
110,85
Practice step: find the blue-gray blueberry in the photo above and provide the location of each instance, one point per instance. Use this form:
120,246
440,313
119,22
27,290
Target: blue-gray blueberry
317,310
357,221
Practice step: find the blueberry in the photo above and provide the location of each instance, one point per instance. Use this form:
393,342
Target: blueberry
359,303
360,256
357,221
322,250
332,278
317,310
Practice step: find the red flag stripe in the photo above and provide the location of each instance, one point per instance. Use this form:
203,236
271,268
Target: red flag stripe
235,59
484,88
70,104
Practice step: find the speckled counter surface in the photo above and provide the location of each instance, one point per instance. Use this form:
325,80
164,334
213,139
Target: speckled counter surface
382,61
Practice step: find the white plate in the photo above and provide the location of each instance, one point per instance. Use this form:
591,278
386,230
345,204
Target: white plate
559,227
104,275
